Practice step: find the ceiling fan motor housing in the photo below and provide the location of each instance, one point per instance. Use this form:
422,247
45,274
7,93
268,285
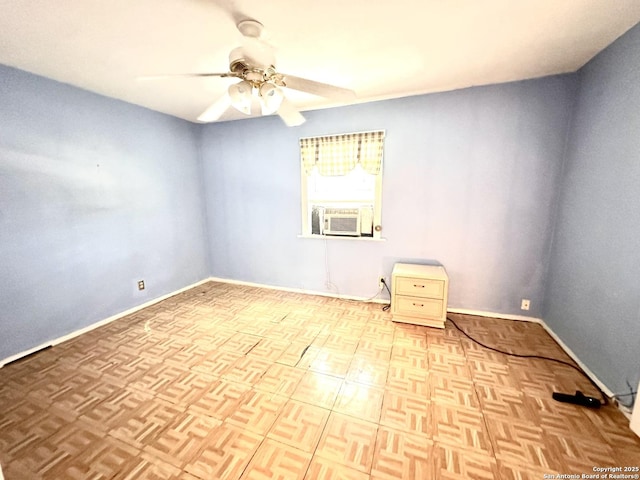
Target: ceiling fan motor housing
237,61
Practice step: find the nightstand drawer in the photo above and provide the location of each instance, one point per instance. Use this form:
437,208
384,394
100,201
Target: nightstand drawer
416,306
419,287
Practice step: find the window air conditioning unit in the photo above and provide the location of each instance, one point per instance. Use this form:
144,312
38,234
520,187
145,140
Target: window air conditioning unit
342,221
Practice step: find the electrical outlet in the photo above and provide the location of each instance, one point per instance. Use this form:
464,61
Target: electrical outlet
140,284
381,282
525,304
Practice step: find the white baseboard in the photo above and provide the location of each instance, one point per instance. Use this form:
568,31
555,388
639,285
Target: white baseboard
93,326
300,290
575,358
505,316
635,417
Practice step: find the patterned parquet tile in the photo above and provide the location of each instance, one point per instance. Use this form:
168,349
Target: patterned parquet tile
257,411
150,468
297,354
408,381
275,460
360,401
373,350
521,441
42,450
338,342
180,440
445,344
614,428
226,454
221,399
69,389
409,413
454,463
509,470
269,349
114,410
280,379
27,425
241,343
186,387
409,357
410,336
379,334
156,378
493,373
325,469
308,355
535,379
578,454
561,419
348,441
460,427
364,371
299,425
402,455
318,389
106,459
247,370
224,381
331,363
217,362
144,424
449,365
287,333
505,401
453,391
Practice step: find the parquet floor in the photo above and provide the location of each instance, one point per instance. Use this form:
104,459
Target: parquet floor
232,382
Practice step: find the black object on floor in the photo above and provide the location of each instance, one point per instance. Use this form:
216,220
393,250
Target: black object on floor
579,399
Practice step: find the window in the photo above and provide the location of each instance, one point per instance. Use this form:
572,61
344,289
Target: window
341,179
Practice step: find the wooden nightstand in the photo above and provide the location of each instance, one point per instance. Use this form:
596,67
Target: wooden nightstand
419,294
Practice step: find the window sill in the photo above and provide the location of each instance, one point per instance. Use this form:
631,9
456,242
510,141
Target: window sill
339,237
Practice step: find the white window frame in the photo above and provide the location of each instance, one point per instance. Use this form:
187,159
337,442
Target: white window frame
306,207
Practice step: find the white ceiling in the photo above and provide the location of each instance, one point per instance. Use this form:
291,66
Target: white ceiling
380,49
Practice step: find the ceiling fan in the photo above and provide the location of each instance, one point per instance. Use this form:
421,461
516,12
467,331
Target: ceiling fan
254,65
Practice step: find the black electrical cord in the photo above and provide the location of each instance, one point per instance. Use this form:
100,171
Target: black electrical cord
388,305
562,362
626,405
631,393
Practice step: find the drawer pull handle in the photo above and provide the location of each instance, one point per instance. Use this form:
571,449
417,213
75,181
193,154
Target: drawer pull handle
418,286
418,304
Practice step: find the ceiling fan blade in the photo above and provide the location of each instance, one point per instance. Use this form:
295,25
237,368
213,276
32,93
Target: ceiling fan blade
317,88
215,110
188,75
290,114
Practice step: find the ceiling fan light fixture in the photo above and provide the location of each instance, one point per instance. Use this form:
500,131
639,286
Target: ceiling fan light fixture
270,98
241,96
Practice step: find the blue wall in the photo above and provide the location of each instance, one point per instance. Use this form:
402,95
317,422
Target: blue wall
95,194
470,180
593,292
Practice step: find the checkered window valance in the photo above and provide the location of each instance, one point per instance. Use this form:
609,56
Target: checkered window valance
339,154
